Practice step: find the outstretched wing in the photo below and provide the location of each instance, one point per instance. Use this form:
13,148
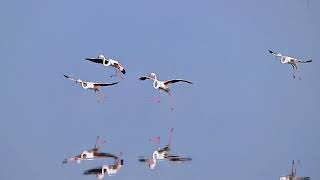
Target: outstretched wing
105,155
302,61
96,60
176,158
68,77
105,84
175,81
93,171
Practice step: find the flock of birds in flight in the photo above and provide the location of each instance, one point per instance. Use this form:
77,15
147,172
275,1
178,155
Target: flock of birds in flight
161,153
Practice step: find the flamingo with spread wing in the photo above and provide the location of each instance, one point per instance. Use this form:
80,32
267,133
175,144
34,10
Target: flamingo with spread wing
162,154
91,154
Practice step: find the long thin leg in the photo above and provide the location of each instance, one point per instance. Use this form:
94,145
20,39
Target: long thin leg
297,72
100,97
157,99
171,102
293,72
115,74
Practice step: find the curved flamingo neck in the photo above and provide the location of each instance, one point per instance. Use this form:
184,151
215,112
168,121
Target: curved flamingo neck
104,62
83,86
155,155
155,82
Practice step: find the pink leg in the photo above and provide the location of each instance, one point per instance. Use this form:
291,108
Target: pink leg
115,74
157,98
171,102
100,97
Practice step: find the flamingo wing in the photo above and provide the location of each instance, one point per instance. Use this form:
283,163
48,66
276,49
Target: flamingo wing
106,155
176,80
96,60
105,84
93,171
176,158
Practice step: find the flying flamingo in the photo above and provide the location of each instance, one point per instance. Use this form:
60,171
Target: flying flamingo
162,85
90,154
290,60
162,154
91,85
109,62
110,170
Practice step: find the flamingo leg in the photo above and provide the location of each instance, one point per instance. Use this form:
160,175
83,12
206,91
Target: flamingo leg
157,99
117,74
298,72
100,97
293,72
171,102
114,75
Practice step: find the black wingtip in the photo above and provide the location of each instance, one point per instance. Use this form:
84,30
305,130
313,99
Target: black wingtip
271,52
123,71
114,83
66,76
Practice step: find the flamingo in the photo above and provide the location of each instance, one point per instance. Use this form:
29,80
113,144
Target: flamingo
290,60
91,85
110,170
90,154
162,85
109,62
162,154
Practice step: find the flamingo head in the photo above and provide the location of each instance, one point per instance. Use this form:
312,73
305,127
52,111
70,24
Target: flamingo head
153,75
101,56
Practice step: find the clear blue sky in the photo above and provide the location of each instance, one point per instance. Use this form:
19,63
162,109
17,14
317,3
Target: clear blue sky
245,117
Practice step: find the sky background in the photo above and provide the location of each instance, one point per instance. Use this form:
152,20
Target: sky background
245,117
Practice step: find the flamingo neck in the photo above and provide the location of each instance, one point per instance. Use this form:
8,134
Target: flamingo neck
106,62
155,82
83,86
283,60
